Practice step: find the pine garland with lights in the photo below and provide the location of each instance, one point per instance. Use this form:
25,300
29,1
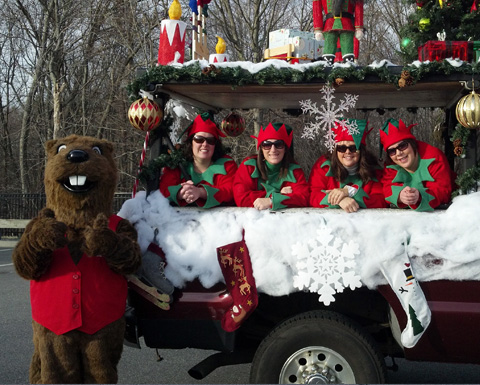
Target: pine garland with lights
456,17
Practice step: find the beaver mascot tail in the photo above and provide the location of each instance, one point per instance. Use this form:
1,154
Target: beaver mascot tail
76,254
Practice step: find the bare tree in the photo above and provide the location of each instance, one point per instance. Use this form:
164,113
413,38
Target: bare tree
246,24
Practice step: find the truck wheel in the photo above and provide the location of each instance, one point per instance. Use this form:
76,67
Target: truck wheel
318,347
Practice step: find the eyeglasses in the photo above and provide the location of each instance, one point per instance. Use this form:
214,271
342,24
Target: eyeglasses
211,140
343,148
267,145
401,147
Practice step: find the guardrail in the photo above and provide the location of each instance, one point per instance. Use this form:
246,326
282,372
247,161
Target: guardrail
14,206
11,224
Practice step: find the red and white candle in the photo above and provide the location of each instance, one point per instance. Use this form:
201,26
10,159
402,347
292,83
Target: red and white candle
172,42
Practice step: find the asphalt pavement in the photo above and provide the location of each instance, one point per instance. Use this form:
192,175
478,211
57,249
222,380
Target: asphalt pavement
142,366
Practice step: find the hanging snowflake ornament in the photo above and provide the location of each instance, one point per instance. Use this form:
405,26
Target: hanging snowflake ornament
328,116
326,265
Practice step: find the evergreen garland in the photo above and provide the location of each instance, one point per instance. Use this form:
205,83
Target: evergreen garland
238,76
171,159
468,181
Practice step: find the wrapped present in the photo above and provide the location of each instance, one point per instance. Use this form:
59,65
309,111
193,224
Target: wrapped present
283,37
293,46
476,51
435,50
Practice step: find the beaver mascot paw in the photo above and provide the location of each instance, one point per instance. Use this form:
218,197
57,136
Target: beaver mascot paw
76,254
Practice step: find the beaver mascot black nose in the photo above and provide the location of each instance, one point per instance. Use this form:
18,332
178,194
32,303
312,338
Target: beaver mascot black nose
76,254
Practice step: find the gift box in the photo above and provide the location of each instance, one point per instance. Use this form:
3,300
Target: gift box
434,50
476,51
294,46
282,37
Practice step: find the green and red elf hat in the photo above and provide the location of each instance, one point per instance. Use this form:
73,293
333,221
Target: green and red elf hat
342,134
278,131
203,123
394,131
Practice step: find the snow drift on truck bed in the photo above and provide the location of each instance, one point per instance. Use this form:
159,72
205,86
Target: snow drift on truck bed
321,246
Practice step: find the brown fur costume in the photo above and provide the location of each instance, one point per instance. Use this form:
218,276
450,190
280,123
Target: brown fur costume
76,216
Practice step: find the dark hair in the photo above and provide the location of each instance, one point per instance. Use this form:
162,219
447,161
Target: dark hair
218,152
412,142
367,165
284,164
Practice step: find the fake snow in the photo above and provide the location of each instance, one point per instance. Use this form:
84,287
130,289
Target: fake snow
286,246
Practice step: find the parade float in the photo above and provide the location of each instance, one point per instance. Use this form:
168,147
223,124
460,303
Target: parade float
307,295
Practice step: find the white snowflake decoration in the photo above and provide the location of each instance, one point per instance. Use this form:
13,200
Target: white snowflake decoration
326,265
329,115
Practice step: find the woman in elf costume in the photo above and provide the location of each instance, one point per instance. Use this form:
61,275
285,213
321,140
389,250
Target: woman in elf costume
210,171
350,177
271,179
416,175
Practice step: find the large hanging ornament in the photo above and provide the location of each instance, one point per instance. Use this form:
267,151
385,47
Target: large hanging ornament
468,111
424,24
145,114
233,124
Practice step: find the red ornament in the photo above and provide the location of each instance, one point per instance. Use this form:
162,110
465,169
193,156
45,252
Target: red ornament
233,124
145,114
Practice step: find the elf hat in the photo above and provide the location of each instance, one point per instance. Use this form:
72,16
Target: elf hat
203,123
279,131
394,131
342,134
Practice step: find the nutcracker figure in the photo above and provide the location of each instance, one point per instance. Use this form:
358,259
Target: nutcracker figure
338,20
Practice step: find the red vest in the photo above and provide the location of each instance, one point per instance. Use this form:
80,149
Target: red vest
86,297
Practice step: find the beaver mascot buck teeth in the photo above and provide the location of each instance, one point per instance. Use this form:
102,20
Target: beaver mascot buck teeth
76,254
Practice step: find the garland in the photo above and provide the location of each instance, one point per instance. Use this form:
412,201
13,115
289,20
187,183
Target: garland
459,139
171,159
193,72
168,158
468,181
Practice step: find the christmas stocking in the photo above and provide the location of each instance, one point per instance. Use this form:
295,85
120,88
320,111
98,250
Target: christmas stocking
237,270
399,274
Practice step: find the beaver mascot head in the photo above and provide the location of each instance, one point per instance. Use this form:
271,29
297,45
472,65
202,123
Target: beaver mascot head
76,254
80,179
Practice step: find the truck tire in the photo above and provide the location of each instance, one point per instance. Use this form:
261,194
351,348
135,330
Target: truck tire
317,347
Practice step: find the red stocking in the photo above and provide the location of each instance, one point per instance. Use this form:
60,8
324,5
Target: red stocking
237,270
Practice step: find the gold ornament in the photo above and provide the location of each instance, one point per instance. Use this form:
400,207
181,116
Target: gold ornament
233,124
468,111
145,114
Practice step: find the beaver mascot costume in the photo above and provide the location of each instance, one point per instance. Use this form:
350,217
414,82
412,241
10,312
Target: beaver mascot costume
76,254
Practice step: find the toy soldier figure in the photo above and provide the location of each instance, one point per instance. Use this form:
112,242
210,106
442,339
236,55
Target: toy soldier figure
338,19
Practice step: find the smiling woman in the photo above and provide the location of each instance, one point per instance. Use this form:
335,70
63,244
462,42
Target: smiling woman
350,177
271,179
210,171
417,175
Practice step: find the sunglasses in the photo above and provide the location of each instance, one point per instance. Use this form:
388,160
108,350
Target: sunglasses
211,140
267,145
401,147
343,148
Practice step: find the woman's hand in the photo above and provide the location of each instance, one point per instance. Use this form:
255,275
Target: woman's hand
409,196
286,190
191,193
262,203
349,205
336,195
